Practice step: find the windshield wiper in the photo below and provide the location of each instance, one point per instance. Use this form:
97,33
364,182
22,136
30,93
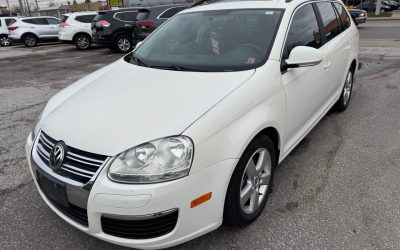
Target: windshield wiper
178,68
139,62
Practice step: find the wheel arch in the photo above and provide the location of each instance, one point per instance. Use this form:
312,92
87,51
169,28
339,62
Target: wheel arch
29,33
81,33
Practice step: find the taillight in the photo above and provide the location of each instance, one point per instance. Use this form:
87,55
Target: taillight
102,23
12,28
144,24
63,24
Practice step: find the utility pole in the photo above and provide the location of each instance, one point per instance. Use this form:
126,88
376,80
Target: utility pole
29,8
378,7
9,8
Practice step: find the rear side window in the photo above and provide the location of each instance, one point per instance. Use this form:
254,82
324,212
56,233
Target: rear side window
64,19
343,16
128,16
143,14
99,16
37,21
329,20
52,21
171,12
9,21
85,18
303,30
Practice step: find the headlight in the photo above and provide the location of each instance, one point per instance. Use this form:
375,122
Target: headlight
362,14
35,128
156,161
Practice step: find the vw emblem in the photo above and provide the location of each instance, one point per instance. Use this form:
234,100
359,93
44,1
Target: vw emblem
57,156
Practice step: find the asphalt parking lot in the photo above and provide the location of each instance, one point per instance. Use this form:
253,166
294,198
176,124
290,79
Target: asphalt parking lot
338,189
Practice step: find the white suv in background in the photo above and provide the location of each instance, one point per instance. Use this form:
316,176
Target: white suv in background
76,28
31,30
4,23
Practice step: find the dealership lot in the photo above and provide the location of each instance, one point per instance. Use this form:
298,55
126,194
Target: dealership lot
338,189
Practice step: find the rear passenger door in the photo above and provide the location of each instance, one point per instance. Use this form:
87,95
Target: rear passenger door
305,87
52,27
334,50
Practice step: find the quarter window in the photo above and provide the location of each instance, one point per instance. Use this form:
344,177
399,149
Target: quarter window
9,21
343,16
329,20
303,30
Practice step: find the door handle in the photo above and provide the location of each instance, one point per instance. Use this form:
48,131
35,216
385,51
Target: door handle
327,64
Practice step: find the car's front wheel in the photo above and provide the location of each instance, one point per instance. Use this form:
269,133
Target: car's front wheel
4,41
30,40
251,183
347,90
82,41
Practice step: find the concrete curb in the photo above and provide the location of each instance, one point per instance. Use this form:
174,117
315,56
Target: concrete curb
383,19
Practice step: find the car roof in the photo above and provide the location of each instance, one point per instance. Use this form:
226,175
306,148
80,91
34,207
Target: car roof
35,17
248,4
81,13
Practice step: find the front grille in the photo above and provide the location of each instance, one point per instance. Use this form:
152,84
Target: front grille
145,227
78,165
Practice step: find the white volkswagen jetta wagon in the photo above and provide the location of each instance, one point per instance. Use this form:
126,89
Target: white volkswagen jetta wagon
185,132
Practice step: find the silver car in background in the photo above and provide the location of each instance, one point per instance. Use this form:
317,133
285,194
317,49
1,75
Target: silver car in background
32,30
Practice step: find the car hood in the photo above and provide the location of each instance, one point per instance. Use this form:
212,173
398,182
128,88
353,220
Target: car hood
124,105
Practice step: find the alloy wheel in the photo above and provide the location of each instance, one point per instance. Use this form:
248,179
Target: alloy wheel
4,41
30,41
348,86
255,181
124,44
83,42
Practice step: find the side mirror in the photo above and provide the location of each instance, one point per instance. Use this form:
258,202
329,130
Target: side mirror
303,56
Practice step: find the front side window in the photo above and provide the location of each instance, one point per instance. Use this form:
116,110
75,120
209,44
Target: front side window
343,16
303,31
218,40
329,20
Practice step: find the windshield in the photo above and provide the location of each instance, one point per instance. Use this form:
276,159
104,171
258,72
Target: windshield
221,40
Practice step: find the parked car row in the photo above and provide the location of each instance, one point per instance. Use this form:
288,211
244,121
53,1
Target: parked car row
370,6
118,30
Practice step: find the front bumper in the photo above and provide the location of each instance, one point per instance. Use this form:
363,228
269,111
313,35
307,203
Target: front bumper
360,19
110,198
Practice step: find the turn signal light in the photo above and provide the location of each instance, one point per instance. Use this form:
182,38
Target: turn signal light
200,200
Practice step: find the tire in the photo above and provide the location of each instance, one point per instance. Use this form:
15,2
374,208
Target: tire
4,41
30,40
122,43
345,96
82,41
239,211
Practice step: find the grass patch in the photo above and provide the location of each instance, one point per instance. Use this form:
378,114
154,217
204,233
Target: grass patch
383,14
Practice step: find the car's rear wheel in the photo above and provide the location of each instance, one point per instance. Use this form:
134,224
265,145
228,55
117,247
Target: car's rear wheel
122,44
4,41
30,40
82,41
251,183
347,90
